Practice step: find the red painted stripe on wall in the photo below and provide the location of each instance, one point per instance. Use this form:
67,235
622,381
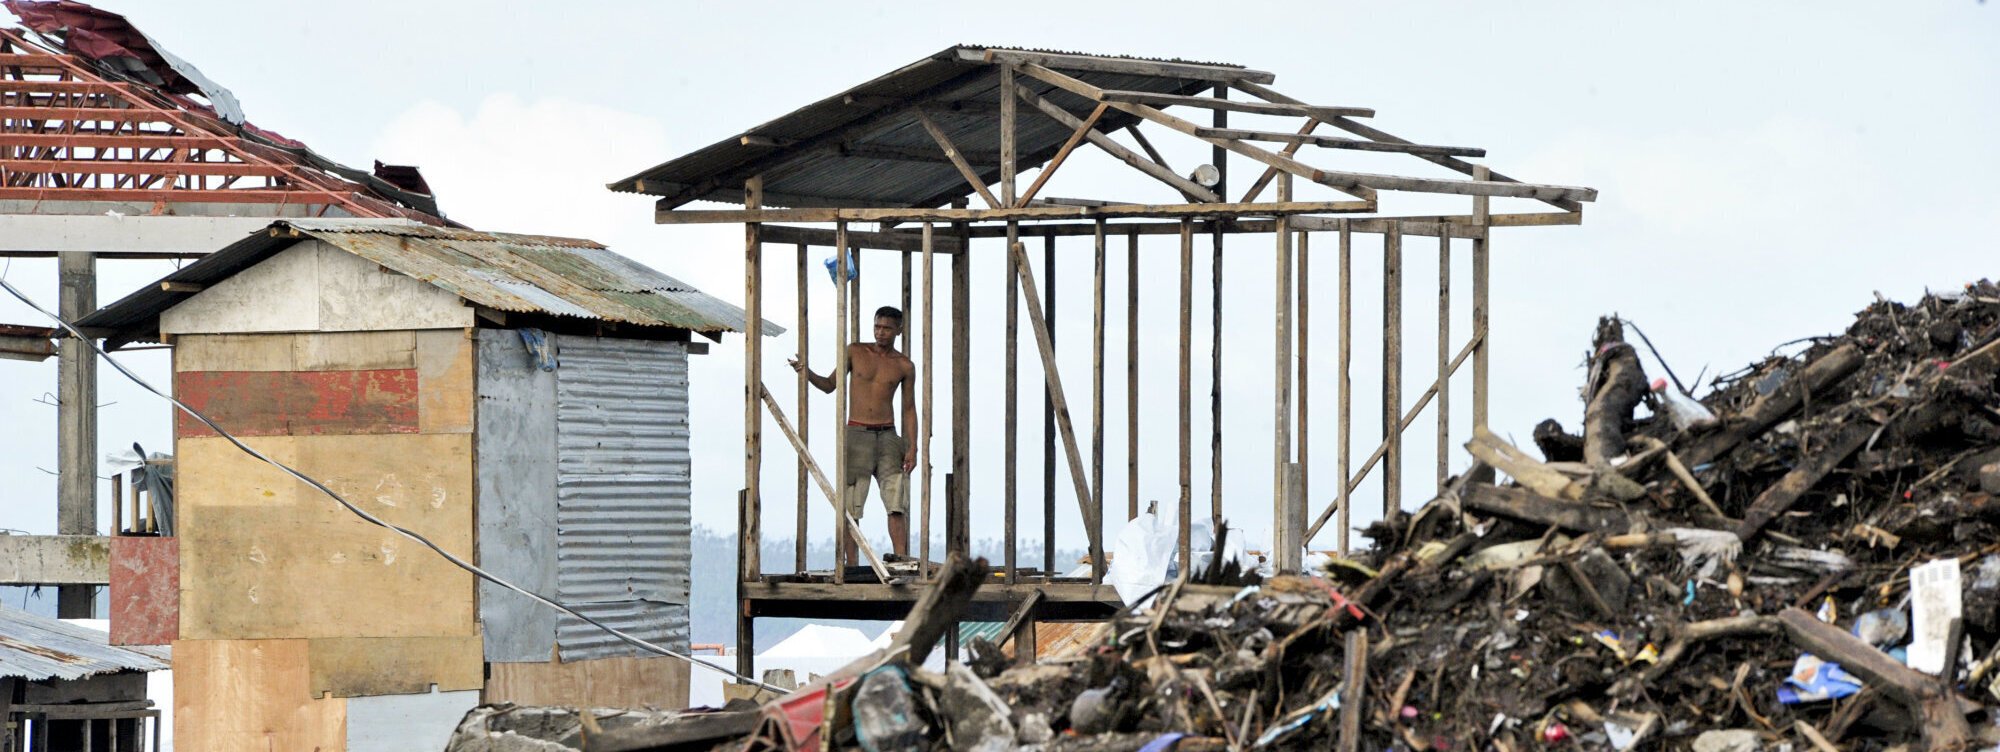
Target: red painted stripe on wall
298,403
145,590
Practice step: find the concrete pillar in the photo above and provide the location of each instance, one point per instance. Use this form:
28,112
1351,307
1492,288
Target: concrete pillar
76,423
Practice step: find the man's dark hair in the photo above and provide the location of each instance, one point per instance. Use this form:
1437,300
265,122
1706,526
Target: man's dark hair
889,312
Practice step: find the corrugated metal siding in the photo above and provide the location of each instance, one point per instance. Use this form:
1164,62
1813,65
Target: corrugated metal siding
517,488
622,493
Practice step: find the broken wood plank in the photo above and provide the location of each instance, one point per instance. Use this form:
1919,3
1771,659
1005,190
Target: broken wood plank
1930,704
1508,459
1781,495
1754,420
1521,504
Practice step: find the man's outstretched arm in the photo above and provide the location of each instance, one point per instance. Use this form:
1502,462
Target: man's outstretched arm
823,383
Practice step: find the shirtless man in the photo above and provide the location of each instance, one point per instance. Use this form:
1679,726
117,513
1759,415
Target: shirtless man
876,370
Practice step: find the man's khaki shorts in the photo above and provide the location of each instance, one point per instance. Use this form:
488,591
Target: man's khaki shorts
877,454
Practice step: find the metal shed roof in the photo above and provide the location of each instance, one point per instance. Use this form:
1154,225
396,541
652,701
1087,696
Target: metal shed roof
865,146
515,273
38,648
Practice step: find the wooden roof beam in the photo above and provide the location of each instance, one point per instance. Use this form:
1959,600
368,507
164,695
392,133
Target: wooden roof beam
1353,182
1335,142
957,160
1366,131
1115,149
1284,163
1255,108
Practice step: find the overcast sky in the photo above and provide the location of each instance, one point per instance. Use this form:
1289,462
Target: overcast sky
1763,172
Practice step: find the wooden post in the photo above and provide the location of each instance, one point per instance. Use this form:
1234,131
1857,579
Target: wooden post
801,529
1346,382
924,444
958,498
1281,425
1219,158
1481,353
1300,447
854,314
1049,418
1009,421
76,422
843,312
1444,360
1357,686
1052,381
1010,426
1132,375
1187,357
1288,552
746,626
1097,378
1392,369
753,384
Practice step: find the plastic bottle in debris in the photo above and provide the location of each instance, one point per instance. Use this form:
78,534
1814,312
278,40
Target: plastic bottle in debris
1680,408
885,714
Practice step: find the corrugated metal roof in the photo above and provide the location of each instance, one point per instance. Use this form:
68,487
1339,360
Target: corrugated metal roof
832,152
505,272
37,648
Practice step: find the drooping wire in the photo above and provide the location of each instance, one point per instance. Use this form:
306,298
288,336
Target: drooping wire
629,639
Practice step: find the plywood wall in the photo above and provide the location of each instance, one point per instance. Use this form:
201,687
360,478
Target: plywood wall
630,682
289,603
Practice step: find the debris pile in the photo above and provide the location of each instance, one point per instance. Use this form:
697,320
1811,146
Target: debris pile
1804,558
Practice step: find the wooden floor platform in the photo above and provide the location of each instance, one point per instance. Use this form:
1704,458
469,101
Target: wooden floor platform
1063,600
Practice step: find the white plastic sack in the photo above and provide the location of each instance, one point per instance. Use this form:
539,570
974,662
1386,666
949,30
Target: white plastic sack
1141,555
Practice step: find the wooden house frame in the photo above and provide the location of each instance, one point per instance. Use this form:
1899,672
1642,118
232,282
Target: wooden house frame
912,149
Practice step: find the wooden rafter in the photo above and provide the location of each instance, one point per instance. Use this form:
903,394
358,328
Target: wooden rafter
1230,105
957,160
1089,124
72,135
1140,162
1335,142
1367,131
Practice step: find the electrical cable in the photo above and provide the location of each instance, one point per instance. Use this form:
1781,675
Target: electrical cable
364,514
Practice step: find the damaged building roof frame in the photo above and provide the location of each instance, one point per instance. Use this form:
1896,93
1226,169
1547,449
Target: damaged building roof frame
95,110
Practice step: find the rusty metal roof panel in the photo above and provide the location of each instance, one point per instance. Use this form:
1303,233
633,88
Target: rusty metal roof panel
505,272
829,153
39,648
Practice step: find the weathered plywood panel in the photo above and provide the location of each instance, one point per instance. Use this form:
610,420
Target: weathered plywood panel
263,555
299,403
444,380
627,682
327,351
234,352
356,294
145,590
398,723
281,294
353,351
251,696
359,666
517,497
